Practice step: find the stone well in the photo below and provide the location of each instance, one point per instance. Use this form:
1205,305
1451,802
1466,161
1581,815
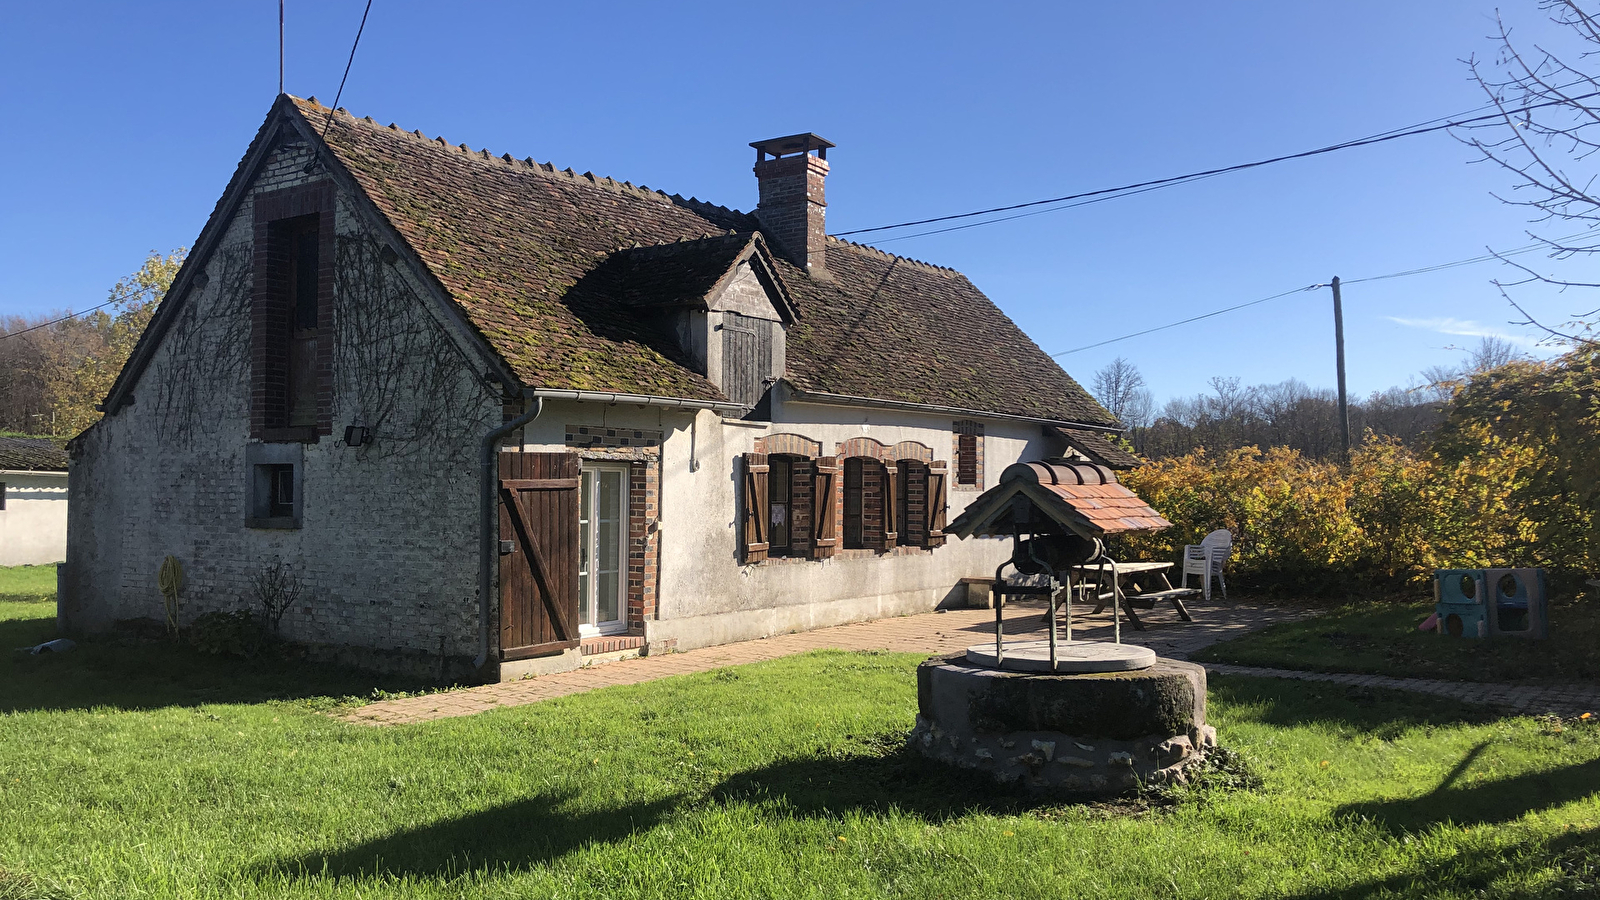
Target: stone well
1097,733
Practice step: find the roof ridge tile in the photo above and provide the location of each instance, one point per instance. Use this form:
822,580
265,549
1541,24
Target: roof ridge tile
639,190
874,251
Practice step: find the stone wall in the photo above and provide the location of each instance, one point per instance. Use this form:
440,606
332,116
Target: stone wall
1101,733
387,549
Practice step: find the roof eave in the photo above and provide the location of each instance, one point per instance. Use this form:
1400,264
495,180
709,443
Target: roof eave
824,398
722,407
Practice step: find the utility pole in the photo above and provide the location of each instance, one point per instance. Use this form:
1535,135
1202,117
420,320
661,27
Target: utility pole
1338,349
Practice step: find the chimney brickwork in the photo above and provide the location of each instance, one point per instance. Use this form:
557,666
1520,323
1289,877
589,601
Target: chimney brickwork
792,206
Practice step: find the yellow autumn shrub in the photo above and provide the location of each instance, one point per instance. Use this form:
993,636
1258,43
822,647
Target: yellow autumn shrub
1389,518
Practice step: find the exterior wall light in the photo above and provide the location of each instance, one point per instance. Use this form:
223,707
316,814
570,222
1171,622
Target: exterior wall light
357,435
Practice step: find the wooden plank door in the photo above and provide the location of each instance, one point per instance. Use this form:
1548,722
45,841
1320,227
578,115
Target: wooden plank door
538,554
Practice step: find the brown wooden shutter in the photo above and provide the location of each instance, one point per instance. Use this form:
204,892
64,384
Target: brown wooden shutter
824,507
802,506
755,508
934,536
891,535
538,554
967,459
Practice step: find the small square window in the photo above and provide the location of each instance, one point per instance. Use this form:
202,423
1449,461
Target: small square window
280,490
275,485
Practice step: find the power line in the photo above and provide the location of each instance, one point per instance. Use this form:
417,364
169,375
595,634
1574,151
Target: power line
1312,287
68,316
1129,193
1217,312
346,76
1141,186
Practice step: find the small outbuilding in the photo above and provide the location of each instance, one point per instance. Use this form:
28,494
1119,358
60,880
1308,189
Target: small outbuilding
33,502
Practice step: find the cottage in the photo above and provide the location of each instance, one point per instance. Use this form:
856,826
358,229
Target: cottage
33,502
499,417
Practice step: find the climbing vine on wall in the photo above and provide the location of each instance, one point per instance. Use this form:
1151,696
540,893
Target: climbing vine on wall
207,349
397,370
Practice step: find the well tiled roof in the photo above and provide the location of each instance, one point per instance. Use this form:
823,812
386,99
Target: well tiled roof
1084,498
32,455
1099,448
530,254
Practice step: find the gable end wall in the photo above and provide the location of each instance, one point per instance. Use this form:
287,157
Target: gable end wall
387,551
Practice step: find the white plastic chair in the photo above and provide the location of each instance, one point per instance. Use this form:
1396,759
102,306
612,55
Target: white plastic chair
1207,558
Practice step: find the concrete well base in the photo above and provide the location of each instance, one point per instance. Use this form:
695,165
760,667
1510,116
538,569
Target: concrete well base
1088,734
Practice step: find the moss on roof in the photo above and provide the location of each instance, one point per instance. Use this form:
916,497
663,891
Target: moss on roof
523,249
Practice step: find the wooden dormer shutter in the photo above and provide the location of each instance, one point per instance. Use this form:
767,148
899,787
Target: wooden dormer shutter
754,515
891,535
824,510
934,536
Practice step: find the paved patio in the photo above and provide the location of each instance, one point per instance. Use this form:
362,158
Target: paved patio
930,633
957,629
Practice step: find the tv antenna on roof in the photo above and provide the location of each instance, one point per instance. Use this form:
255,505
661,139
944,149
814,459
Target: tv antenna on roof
280,46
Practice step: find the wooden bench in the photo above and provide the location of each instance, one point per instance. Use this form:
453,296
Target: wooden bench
1149,599
1131,575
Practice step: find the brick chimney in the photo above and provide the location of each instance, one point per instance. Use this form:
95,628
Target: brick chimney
792,209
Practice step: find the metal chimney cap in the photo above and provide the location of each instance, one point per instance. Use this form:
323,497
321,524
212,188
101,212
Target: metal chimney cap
794,143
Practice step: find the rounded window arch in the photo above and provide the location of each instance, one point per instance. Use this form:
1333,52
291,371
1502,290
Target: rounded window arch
869,504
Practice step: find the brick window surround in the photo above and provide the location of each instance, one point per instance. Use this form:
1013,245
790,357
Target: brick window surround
643,548
644,545
271,319
967,454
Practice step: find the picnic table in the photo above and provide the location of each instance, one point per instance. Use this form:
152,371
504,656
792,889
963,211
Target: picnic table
1140,585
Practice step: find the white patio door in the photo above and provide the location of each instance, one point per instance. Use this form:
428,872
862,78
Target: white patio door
602,558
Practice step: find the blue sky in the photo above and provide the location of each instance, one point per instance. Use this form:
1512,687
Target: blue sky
123,123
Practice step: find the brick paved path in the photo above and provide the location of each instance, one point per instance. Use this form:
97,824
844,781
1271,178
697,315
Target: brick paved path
930,633
1565,700
949,631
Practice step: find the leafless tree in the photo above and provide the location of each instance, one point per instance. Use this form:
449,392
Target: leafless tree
1120,388
1439,383
1546,137
277,587
1491,353
24,400
1287,414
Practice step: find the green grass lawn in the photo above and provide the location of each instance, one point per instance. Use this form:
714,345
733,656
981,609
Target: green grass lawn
143,771
27,583
1382,639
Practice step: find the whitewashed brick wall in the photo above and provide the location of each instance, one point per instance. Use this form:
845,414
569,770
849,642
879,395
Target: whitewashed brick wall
387,550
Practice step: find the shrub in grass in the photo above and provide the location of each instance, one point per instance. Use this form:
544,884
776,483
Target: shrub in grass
235,633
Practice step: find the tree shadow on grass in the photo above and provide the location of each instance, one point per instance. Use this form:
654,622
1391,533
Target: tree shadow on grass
1574,858
536,831
129,674
1483,803
899,779
513,837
